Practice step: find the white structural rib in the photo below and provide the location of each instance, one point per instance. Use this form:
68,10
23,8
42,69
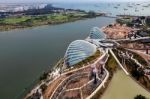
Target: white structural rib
118,61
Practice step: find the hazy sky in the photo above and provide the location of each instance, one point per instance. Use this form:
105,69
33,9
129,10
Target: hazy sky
28,1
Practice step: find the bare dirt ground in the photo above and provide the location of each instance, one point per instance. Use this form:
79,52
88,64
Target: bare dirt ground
52,86
79,82
117,31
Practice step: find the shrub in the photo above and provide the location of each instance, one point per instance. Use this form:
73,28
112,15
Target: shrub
44,76
139,97
43,87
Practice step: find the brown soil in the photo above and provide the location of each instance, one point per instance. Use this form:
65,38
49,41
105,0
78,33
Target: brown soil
77,82
117,31
52,87
74,94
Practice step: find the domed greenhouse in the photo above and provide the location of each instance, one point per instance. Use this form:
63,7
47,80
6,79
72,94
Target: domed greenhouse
95,33
78,51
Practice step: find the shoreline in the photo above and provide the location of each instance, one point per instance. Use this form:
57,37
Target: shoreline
27,91
103,89
55,78
52,24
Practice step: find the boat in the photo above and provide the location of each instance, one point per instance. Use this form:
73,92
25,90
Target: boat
125,9
130,6
136,10
116,7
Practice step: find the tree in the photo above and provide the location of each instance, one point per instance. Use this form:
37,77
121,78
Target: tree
91,14
148,21
43,87
139,97
44,76
142,17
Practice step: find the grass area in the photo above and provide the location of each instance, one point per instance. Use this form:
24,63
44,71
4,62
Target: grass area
14,20
136,72
57,17
140,59
111,64
47,19
123,87
122,21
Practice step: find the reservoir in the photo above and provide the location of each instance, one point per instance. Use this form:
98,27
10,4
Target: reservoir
26,54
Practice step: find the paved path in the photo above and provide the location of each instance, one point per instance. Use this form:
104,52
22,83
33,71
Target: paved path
118,61
103,82
132,40
144,55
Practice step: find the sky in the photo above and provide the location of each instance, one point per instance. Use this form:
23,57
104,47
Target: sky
49,1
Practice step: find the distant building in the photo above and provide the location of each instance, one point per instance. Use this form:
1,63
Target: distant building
95,33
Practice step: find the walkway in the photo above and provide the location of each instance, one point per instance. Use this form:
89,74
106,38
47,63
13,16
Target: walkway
103,82
132,40
118,61
65,91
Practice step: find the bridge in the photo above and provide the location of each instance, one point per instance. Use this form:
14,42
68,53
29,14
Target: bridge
127,40
110,16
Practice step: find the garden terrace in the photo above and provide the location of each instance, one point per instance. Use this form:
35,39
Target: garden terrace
77,83
127,21
90,59
48,92
111,66
136,56
72,94
134,67
87,61
117,31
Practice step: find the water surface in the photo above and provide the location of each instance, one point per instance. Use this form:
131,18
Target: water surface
25,54
128,8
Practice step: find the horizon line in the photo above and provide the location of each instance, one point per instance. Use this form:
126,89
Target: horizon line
74,2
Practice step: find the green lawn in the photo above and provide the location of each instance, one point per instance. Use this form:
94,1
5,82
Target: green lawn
60,17
123,87
38,20
111,64
48,17
15,19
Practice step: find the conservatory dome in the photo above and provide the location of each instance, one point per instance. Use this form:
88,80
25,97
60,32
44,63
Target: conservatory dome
77,51
95,33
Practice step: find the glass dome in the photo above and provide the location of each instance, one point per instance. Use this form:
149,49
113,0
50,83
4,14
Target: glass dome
95,33
77,51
